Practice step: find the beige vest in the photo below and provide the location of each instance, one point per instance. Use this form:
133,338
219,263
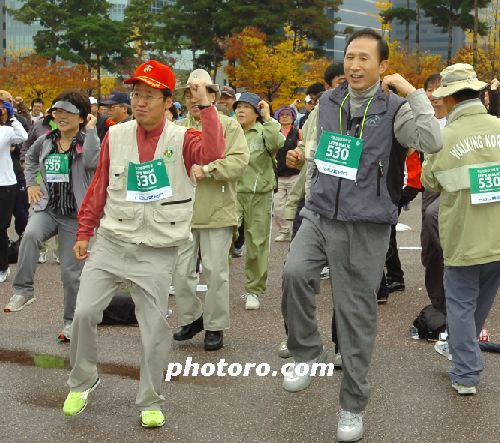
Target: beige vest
158,224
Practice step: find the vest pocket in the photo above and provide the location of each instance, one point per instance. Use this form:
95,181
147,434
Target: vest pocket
116,177
122,213
170,216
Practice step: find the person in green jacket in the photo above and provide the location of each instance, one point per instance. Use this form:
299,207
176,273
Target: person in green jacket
214,221
467,173
255,189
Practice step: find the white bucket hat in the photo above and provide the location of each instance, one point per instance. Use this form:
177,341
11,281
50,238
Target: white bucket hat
204,76
456,78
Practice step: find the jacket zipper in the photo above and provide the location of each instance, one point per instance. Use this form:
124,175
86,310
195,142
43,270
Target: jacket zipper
337,198
380,174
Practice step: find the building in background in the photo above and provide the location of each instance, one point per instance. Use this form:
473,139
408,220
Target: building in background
432,38
354,15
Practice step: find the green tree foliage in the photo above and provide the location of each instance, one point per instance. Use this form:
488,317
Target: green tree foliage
403,15
450,13
142,24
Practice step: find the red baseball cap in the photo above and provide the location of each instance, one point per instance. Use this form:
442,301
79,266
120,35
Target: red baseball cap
154,74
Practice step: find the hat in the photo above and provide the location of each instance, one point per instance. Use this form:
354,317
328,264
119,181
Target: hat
250,98
66,106
116,98
285,108
456,78
5,96
204,76
227,90
177,105
154,74
93,100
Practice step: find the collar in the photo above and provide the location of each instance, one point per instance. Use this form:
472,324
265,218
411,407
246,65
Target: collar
155,132
466,105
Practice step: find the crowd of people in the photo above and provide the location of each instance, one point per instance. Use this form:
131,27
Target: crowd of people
159,195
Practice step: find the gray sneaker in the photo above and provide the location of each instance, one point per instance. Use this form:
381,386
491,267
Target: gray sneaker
283,351
298,376
463,390
18,302
4,275
350,426
65,334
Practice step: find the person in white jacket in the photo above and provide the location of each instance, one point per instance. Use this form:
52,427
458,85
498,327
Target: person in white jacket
11,132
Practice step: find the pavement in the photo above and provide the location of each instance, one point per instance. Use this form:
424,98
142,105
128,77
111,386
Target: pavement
411,400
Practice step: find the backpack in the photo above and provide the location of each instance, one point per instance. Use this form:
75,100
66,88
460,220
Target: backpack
120,311
430,323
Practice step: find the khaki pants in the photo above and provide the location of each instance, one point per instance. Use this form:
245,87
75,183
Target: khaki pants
150,272
285,186
214,244
255,210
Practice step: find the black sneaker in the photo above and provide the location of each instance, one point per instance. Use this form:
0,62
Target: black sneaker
394,286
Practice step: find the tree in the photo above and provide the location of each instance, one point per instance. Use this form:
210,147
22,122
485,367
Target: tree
403,15
142,22
482,65
274,71
77,31
36,77
453,13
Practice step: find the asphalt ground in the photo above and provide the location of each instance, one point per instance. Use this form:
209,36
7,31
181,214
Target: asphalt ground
411,400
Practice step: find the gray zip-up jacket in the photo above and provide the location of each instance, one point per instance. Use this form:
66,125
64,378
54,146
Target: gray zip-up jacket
82,166
392,125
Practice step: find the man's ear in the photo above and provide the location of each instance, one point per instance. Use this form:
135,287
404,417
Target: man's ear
384,64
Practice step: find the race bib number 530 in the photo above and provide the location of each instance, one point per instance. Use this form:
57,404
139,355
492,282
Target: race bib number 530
485,184
147,182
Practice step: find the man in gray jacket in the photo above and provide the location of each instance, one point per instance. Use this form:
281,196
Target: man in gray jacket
363,132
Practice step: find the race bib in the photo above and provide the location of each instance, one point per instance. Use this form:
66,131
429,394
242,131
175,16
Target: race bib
56,168
484,185
338,155
148,182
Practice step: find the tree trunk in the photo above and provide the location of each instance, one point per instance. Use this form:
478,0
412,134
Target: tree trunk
495,39
407,29
450,36
98,63
417,36
474,36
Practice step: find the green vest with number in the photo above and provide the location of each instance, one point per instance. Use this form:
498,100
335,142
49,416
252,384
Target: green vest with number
160,223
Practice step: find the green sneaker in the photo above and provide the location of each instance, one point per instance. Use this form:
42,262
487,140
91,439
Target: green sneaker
76,401
152,419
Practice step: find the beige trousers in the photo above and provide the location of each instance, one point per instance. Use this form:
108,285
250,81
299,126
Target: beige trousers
285,186
149,270
214,244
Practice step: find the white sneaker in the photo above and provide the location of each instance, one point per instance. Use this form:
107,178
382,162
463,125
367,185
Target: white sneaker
42,258
283,350
441,347
350,426
325,273
298,376
463,390
284,237
171,290
4,275
337,361
65,334
252,301
18,302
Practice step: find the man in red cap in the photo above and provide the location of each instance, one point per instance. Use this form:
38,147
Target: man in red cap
141,198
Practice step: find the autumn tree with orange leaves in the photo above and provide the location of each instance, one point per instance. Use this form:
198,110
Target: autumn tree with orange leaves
35,77
275,72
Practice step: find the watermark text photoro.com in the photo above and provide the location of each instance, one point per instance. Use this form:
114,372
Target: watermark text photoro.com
223,369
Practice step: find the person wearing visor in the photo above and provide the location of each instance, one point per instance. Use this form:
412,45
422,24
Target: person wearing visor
66,159
141,198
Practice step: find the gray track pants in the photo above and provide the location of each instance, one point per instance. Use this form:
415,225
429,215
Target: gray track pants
150,272
355,253
470,293
43,225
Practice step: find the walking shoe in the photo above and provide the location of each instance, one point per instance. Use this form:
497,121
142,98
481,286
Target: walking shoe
325,273
337,361
284,237
187,332
350,426
214,340
18,302
283,351
298,376
42,258
463,390
171,290
442,347
152,419
382,297
65,334
77,401
252,301
394,286
237,252
4,275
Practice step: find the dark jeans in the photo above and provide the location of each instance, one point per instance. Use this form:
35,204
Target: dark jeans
21,209
240,241
298,218
7,199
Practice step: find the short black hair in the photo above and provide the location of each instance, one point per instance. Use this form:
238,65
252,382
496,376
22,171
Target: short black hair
433,78
81,101
36,100
383,47
166,92
336,69
315,88
465,94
